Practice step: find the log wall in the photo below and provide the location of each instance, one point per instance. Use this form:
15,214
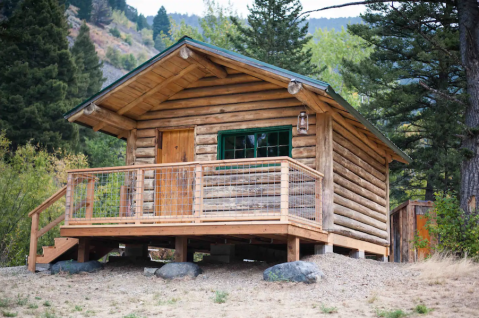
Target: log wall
360,201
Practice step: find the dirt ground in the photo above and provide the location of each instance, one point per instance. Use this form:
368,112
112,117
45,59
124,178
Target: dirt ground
352,288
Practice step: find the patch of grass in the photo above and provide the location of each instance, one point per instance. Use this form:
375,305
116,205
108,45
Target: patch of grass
78,308
398,313
133,315
422,309
220,297
328,310
38,298
89,313
21,301
9,314
32,306
172,301
4,302
47,304
49,314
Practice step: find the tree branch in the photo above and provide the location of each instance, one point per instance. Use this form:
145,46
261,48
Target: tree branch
442,94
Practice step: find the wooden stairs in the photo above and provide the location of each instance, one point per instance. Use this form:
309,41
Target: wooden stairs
51,253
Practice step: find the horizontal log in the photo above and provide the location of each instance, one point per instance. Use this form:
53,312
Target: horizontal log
358,161
360,217
358,171
304,141
227,99
145,133
341,230
358,190
142,161
145,152
220,109
271,203
145,142
345,193
109,117
224,90
206,157
360,182
262,123
256,190
206,149
358,226
304,152
207,139
310,162
230,79
221,118
358,143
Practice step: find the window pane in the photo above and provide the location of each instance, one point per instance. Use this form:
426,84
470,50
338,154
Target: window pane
250,141
229,154
249,153
240,142
284,151
272,151
239,154
230,142
261,140
273,139
284,138
261,152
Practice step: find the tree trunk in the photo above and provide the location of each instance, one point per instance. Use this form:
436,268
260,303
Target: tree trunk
468,11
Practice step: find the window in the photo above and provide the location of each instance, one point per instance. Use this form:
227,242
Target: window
255,143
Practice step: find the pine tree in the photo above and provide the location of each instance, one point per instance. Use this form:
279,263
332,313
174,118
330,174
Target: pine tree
7,7
101,13
142,23
423,124
276,35
161,23
84,9
37,76
88,64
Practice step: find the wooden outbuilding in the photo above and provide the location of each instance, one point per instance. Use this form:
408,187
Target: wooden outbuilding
408,221
222,148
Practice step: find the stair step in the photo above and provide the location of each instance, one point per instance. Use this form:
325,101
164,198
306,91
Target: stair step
62,245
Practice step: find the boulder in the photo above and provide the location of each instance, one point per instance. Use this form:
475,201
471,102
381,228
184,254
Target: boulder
179,270
299,271
73,267
150,271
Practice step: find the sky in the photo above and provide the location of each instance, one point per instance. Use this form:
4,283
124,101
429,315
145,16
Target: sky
150,7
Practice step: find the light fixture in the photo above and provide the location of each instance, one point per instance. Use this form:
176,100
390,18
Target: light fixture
303,123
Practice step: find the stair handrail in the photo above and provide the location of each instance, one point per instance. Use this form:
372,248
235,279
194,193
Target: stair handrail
35,232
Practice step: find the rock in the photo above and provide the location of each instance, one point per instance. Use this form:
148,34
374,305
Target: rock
294,272
73,267
42,267
149,271
179,270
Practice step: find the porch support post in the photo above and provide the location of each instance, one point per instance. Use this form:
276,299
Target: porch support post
293,248
324,164
32,260
181,249
131,147
83,250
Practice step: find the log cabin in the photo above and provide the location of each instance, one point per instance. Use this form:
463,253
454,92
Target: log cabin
225,150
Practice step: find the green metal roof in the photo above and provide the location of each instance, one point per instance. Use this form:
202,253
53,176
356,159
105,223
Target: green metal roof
252,62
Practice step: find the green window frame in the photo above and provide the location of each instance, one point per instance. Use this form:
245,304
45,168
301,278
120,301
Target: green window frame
255,143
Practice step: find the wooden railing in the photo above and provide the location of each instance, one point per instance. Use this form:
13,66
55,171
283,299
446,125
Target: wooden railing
224,190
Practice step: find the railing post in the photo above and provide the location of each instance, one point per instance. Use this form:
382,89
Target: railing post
68,198
284,190
140,176
318,202
198,193
32,260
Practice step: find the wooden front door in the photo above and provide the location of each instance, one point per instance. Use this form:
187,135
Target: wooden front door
174,185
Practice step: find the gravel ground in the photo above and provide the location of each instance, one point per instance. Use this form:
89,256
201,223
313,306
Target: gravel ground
355,288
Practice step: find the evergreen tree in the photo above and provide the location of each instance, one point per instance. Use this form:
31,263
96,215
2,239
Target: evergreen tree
101,13
142,23
88,64
276,35
84,9
37,76
117,4
423,124
7,7
161,23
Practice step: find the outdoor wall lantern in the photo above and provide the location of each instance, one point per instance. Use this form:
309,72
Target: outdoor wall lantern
303,123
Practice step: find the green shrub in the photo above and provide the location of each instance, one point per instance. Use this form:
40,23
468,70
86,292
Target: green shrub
454,230
422,309
113,56
128,62
220,297
9,314
128,39
398,313
115,32
328,310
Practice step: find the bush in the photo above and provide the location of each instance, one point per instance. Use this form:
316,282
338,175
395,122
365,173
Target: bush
453,229
115,32
147,37
128,39
113,56
128,62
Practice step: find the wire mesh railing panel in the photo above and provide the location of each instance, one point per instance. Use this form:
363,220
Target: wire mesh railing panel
242,190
